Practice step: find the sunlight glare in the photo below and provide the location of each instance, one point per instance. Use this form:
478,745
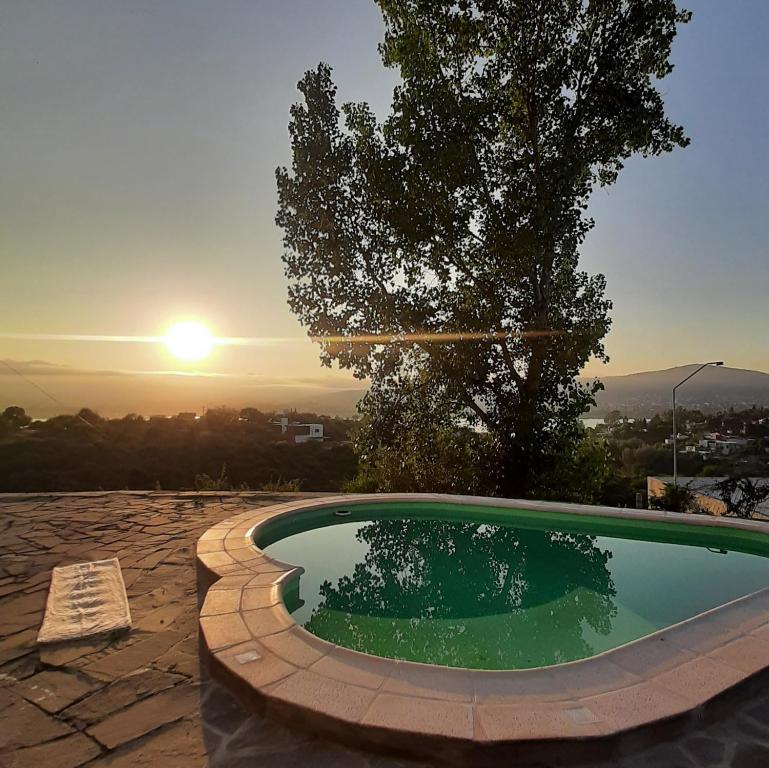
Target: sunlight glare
189,340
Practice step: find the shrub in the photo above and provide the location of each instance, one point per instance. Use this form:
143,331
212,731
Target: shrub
282,486
675,498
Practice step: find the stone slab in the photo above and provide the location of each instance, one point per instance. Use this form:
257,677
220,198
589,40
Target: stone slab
134,657
181,745
120,694
146,716
24,725
53,690
69,752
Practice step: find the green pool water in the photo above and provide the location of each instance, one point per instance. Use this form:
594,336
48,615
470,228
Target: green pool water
492,588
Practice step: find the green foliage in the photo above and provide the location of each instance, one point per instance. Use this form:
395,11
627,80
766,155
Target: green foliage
620,490
580,474
204,482
282,486
675,498
437,252
214,453
410,445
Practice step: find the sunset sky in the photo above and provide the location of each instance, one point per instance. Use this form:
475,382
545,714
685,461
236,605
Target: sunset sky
138,143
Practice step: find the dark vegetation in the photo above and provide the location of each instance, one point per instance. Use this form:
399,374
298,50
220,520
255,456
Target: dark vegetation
228,449
224,449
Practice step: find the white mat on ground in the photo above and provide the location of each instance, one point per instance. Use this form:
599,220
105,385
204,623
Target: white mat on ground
85,599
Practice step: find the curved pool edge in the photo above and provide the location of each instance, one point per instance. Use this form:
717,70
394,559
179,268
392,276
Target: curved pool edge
254,647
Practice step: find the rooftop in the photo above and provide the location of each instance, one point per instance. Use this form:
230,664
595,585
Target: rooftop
139,699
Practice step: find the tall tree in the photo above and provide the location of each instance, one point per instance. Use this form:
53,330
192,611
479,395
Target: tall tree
436,252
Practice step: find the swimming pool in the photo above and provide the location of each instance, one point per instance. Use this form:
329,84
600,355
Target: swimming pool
545,626
484,588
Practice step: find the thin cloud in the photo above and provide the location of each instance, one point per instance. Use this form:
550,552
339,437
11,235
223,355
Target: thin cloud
35,368
42,368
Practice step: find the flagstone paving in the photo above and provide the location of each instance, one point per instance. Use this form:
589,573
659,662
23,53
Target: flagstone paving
138,698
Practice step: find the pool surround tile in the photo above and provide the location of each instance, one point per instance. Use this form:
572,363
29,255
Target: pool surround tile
761,631
351,667
253,598
318,694
700,679
500,722
267,621
264,579
420,716
222,601
501,687
748,653
224,630
636,705
651,658
292,646
590,676
255,664
215,559
231,582
432,682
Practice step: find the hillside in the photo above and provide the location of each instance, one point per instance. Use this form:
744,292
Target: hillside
713,388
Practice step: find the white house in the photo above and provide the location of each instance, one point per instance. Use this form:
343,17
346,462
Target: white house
300,433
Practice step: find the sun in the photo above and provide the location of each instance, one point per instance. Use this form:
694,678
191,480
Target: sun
189,340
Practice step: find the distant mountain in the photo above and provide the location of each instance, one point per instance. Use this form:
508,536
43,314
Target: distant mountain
115,393
713,388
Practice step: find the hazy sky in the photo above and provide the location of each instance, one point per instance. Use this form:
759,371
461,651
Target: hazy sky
138,142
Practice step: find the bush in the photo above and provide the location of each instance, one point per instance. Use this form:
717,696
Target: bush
282,486
675,498
204,482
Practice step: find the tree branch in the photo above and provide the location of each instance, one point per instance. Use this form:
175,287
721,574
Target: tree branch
480,413
511,364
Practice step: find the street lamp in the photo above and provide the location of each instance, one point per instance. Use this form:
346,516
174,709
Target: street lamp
675,428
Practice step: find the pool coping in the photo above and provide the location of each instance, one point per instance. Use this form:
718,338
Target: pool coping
252,645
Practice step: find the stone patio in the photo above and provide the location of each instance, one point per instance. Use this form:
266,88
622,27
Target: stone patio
138,699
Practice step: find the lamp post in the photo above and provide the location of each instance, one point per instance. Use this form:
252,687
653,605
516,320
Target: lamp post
675,428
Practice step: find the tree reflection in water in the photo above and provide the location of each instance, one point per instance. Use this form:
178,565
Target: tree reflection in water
469,594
